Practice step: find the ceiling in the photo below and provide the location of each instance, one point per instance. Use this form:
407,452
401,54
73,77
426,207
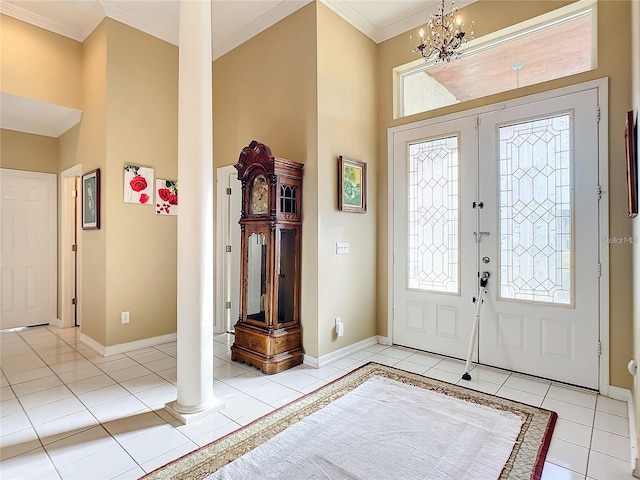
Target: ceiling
233,22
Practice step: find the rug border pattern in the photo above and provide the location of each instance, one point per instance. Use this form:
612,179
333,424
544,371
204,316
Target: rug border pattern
525,462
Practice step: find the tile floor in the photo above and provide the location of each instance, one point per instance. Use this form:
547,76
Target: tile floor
67,412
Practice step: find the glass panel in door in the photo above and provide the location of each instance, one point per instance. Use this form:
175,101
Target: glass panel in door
434,268
539,182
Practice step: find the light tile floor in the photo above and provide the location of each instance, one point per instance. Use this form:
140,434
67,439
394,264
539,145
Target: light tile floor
67,412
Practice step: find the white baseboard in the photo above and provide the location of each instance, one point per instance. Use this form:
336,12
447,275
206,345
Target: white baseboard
338,354
625,395
57,323
91,343
384,340
126,347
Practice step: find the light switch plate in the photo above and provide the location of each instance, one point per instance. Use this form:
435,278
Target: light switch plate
342,248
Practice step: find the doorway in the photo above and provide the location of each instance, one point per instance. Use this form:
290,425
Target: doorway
229,206
513,192
71,247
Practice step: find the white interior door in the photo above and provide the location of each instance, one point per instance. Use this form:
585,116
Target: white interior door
539,185
434,264
229,209
28,245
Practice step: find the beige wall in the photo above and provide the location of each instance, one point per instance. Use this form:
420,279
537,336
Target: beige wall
635,77
25,151
29,55
613,62
272,97
91,153
290,96
346,126
141,129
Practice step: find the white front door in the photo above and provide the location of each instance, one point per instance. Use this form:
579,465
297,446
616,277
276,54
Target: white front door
28,243
435,185
512,193
539,185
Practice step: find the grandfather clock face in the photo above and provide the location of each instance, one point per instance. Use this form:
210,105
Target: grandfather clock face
259,195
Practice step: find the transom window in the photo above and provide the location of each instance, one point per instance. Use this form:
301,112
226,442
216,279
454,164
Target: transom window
554,45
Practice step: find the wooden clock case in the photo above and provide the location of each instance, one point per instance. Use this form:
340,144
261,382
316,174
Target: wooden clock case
267,334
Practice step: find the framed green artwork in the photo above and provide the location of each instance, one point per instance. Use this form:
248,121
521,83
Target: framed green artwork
352,185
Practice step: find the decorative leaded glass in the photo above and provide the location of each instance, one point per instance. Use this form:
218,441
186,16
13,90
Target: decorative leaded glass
433,206
536,261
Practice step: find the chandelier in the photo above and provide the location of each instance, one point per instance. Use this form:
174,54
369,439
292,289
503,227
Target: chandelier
446,40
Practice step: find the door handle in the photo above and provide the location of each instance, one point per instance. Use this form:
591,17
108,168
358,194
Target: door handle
479,235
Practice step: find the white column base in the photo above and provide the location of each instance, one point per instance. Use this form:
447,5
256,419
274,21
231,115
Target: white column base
191,414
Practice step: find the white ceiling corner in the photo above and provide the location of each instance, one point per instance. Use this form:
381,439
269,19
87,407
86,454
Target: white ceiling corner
226,43
157,18
351,15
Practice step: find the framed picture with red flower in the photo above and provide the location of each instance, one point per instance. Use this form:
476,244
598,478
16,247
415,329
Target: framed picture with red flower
91,200
138,184
166,197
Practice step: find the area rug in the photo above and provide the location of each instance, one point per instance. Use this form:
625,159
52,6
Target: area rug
379,422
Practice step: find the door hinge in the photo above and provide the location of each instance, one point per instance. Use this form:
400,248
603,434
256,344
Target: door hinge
599,348
74,301
598,113
228,190
227,305
599,270
74,248
74,193
227,249
599,192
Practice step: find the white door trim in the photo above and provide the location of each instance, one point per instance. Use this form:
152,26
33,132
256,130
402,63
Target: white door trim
75,171
224,237
602,86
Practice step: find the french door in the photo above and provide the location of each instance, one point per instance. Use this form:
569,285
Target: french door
513,193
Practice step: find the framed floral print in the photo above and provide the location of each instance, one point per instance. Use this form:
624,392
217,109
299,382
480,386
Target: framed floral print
166,197
138,184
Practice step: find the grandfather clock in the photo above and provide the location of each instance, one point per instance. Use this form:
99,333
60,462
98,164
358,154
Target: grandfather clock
267,334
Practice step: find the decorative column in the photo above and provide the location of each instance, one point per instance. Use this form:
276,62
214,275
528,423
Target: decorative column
195,223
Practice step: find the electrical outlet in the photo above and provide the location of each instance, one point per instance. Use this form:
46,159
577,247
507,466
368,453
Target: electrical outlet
339,326
125,317
342,248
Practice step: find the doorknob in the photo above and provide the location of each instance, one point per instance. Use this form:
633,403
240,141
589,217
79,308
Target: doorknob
486,259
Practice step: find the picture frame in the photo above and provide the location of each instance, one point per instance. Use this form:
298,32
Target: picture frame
352,185
632,164
91,200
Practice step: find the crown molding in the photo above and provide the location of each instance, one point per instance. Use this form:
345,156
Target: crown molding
273,16
343,9
112,10
378,35
14,11
92,19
